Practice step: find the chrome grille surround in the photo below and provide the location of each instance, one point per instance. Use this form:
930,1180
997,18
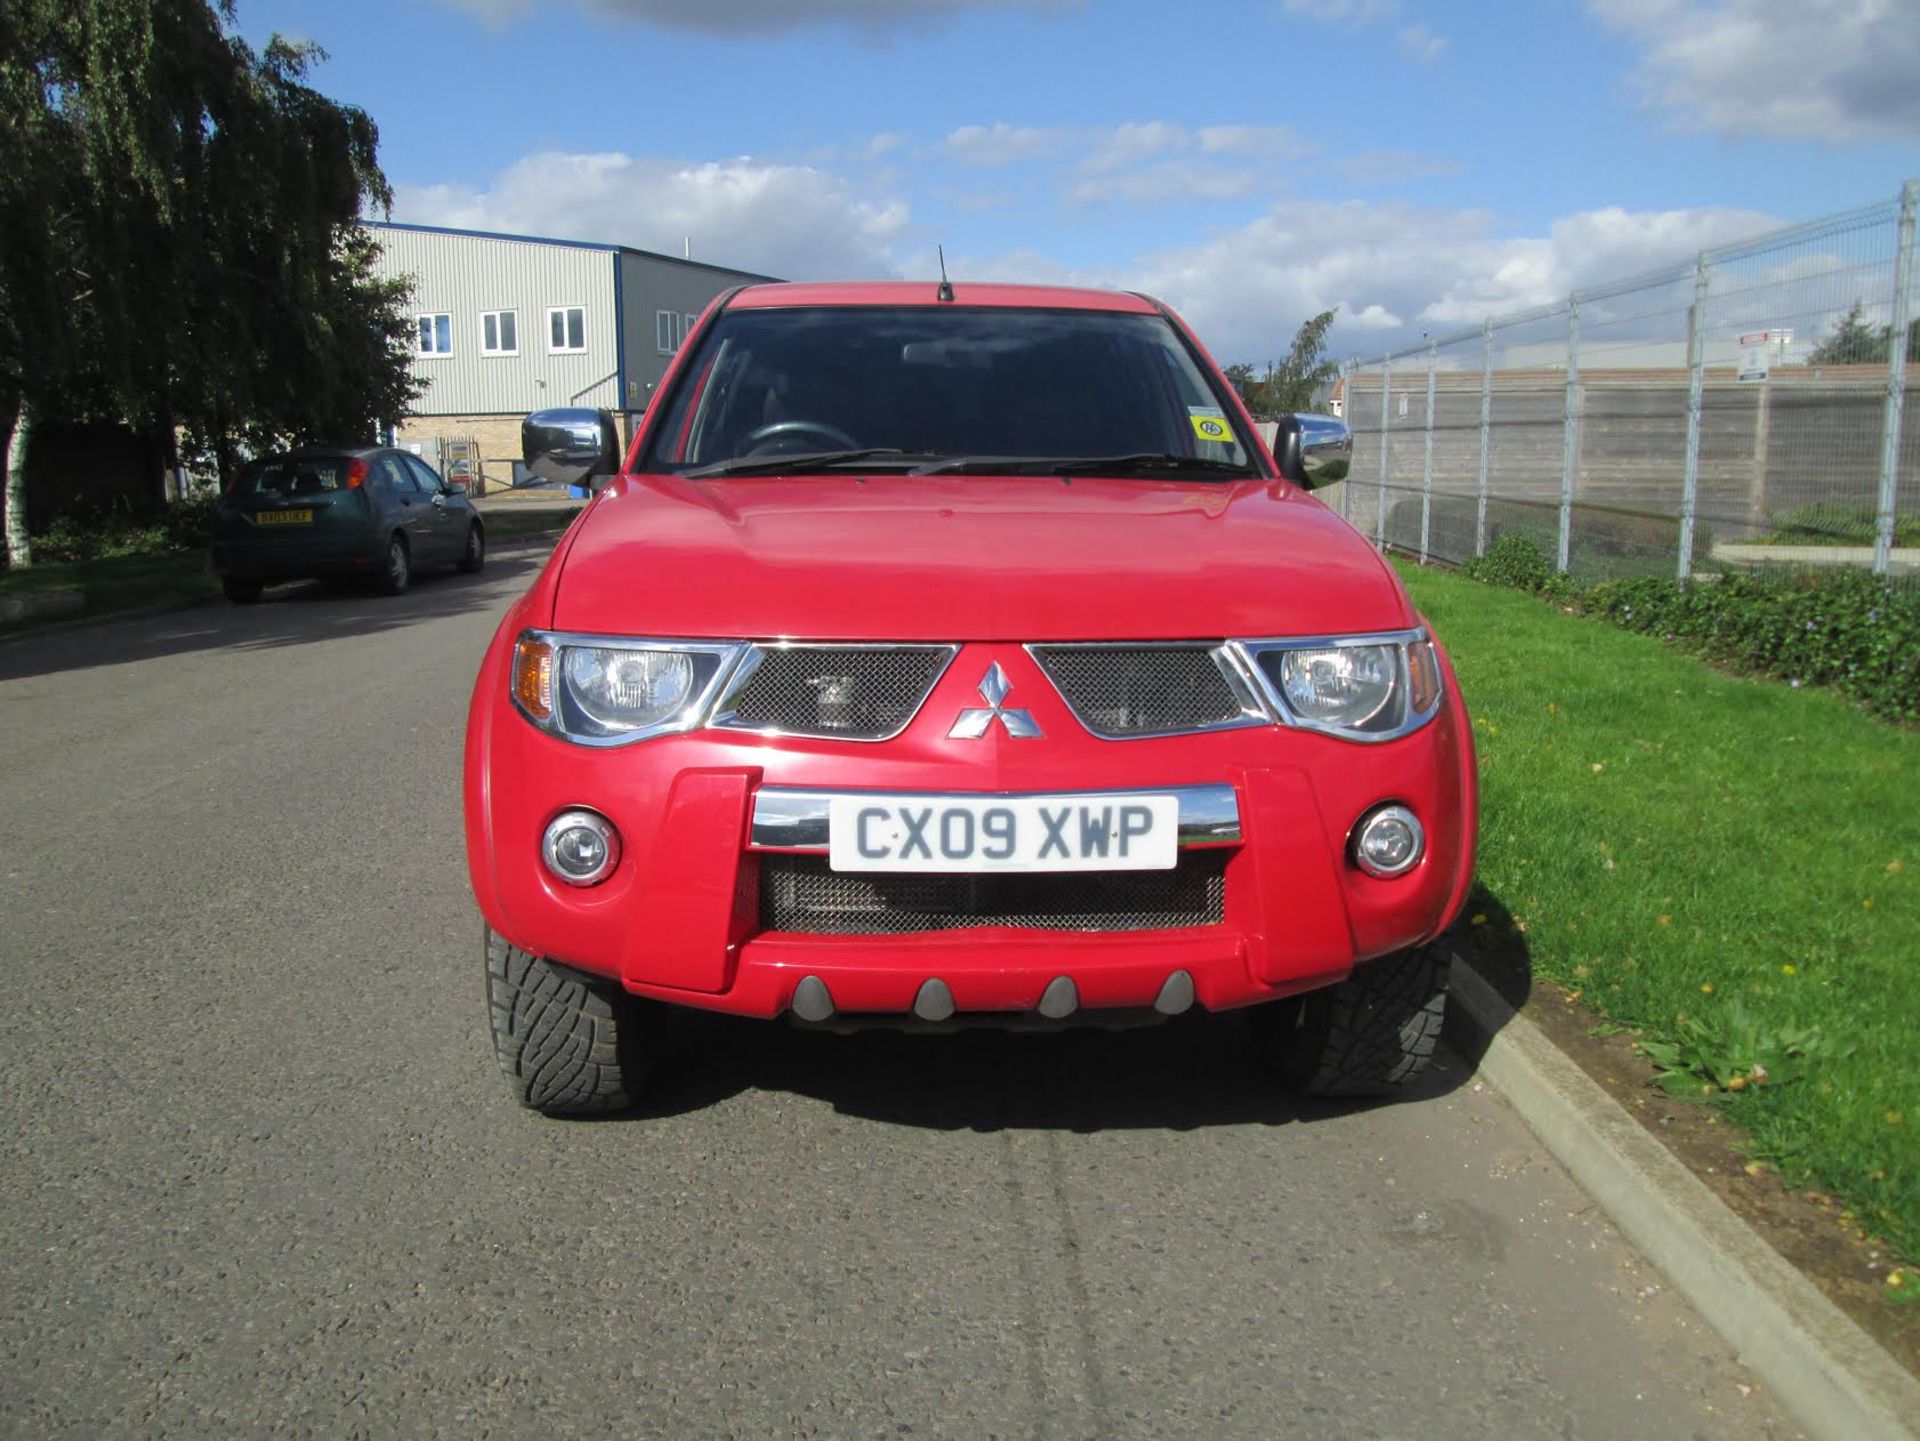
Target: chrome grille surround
833,692
1145,690
802,894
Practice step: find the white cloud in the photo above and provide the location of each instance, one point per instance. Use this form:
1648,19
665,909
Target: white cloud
1343,12
1417,42
1420,45
737,17
1170,180
1833,70
1276,142
1133,142
1395,266
885,143
1003,144
793,221
1389,167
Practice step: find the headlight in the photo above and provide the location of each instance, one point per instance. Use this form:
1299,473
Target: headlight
625,690
1340,686
1367,688
605,690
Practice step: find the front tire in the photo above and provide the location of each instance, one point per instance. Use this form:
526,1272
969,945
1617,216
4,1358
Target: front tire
569,1047
396,571
1368,1036
242,592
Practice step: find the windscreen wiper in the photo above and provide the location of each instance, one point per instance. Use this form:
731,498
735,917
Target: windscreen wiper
802,464
1133,463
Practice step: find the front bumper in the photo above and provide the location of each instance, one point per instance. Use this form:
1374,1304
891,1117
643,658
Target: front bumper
681,918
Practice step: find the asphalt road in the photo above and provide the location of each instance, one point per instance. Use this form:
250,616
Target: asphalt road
261,1177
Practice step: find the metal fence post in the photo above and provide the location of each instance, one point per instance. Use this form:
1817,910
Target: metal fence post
1347,406
1486,435
1696,391
1426,465
1386,392
1570,438
1902,321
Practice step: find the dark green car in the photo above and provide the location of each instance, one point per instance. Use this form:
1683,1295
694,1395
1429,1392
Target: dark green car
366,511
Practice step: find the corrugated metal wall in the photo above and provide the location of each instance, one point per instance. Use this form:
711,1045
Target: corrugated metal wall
653,284
464,276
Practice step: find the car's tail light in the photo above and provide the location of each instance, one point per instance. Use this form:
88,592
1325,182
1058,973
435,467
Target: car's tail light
533,677
356,472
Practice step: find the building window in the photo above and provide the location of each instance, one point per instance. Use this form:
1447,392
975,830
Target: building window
692,320
433,334
499,332
567,328
666,326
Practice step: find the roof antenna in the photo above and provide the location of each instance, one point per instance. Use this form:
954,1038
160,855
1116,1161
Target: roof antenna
945,292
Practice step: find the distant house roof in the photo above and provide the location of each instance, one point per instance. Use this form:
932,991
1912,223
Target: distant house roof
569,244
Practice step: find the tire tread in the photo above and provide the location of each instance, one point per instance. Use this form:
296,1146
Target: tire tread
559,1039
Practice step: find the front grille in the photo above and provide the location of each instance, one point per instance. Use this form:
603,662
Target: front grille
800,893
848,692
1120,690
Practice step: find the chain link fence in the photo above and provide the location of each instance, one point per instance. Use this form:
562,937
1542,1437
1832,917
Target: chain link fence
1750,408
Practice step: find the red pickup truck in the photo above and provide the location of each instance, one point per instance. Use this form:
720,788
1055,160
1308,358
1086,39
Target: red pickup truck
943,655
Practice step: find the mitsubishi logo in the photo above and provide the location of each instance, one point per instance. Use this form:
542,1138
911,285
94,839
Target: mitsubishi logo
975,723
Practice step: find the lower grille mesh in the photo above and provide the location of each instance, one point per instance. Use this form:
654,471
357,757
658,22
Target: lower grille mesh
801,893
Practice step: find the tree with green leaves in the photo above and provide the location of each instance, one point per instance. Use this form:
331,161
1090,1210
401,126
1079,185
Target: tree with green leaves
1855,342
184,248
1289,384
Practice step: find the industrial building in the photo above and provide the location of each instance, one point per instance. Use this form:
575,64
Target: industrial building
507,324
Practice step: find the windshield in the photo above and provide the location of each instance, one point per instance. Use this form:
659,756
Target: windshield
924,384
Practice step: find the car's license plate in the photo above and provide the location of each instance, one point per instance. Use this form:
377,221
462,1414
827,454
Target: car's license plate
1003,833
283,517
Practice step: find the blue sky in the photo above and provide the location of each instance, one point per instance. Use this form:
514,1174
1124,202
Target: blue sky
1416,164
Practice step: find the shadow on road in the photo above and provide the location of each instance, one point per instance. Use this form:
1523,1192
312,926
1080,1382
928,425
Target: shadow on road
289,615
1489,940
1198,1071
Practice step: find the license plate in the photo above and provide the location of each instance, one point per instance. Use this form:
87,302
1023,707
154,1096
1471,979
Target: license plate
1003,833
283,517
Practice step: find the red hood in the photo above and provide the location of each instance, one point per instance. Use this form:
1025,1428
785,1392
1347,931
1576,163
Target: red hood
968,558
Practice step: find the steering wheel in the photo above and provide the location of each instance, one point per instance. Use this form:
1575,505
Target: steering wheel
768,437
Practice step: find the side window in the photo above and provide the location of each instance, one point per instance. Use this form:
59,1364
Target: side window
433,334
499,333
396,478
567,328
421,472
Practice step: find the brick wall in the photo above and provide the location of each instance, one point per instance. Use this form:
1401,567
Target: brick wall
496,436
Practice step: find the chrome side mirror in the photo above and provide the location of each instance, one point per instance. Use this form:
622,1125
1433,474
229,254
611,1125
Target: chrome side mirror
1313,450
571,446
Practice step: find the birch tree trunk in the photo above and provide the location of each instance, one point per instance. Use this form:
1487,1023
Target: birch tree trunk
19,545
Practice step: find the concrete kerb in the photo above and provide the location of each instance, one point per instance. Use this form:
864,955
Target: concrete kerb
1837,1381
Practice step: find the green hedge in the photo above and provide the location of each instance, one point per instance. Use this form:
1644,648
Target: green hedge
120,532
1843,628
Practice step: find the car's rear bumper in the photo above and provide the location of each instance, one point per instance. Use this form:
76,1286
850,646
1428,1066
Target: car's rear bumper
296,558
681,919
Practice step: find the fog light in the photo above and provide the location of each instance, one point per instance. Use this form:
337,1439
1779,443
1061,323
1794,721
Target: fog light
581,848
1388,842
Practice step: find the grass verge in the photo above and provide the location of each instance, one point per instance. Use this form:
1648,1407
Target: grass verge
181,577
503,524
1726,865
123,583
